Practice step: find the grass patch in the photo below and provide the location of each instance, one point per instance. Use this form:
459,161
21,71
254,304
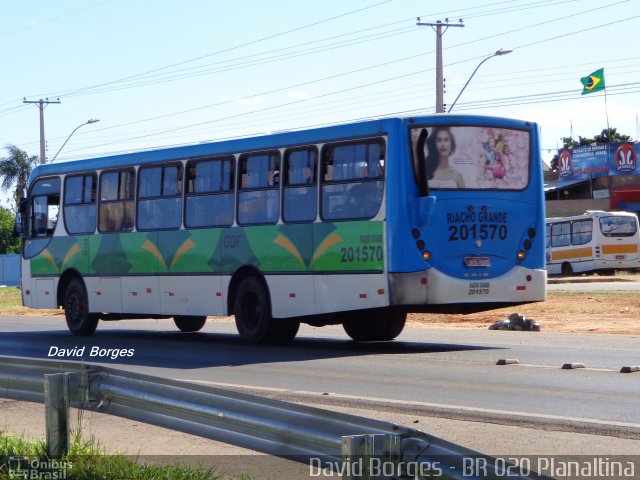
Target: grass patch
87,461
10,297
11,303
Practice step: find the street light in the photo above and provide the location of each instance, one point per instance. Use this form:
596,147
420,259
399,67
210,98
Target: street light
74,131
497,54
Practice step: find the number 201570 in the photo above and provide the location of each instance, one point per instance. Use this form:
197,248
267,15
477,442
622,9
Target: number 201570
361,254
486,231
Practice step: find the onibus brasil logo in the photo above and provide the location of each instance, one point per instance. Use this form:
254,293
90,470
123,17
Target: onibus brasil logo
564,163
626,158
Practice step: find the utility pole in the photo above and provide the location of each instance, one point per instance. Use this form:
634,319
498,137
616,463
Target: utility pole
439,74
41,104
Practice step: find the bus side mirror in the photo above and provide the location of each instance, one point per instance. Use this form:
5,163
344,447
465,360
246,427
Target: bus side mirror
422,210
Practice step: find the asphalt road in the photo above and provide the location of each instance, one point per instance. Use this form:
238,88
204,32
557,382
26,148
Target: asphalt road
449,372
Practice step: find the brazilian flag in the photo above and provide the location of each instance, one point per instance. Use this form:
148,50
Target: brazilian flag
594,82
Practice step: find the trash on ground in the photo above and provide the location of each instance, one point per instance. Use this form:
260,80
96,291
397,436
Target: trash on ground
518,322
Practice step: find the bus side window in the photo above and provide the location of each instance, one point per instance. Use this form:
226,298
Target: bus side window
259,189
116,211
80,208
209,198
581,232
160,197
560,234
299,189
353,181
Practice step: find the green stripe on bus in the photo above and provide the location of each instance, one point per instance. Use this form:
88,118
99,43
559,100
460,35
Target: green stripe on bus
316,247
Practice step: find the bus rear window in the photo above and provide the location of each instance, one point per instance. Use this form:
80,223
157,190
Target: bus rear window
618,226
470,157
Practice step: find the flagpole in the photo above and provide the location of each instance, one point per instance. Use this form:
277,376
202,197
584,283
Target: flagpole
606,112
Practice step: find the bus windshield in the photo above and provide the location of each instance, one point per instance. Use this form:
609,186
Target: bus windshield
615,226
470,157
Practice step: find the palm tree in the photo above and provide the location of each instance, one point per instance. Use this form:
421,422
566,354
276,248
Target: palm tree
15,170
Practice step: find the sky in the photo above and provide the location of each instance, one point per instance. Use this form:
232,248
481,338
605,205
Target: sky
162,73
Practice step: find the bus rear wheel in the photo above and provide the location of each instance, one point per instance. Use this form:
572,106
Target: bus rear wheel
189,323
76,309
375,326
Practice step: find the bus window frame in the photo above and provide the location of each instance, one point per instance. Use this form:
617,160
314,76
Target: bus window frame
287,186
616,234
581,233
328,148
49,232
562,234
213,193
180,181
131,170
33,244
272,185
93,202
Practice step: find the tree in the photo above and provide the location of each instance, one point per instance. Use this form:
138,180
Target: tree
611,135
15,170
8,242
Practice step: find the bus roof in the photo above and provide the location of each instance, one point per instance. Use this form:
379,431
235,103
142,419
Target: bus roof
268,141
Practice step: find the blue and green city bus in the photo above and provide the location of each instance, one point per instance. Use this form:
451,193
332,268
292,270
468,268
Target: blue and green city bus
356,224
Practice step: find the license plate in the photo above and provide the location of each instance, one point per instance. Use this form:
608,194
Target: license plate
477,262
620,257
479,288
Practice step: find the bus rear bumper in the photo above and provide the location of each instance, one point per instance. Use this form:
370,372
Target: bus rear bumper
432,287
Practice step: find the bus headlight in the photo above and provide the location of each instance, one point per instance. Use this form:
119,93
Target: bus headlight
521,255
426,256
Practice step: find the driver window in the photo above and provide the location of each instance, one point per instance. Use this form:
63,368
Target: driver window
43,209
40,215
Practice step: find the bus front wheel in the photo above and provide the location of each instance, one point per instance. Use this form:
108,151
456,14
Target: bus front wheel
566,269
189,323
252,308
375,327
76,309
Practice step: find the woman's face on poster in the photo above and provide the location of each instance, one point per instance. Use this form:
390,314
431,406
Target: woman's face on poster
443,143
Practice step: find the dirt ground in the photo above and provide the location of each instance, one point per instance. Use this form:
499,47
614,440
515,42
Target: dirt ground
583,312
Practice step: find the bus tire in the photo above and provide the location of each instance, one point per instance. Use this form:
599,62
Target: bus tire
284,330
76,309
566,269
375,327
189,323
252,309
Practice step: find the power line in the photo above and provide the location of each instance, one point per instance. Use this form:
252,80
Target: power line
343,74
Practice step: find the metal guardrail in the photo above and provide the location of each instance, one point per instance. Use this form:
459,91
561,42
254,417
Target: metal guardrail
274,427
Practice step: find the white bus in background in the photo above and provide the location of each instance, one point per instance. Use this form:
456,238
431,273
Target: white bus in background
594,241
